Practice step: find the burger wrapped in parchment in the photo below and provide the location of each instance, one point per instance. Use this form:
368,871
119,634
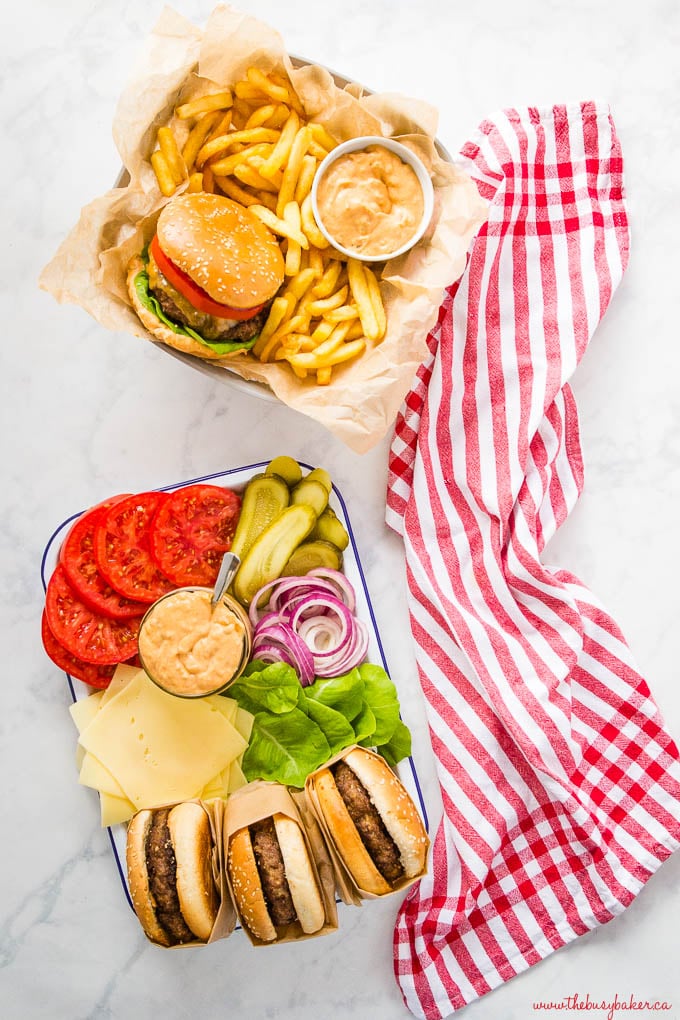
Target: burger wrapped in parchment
206,280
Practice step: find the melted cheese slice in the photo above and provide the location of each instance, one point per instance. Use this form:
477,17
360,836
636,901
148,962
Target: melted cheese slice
115,809
160,749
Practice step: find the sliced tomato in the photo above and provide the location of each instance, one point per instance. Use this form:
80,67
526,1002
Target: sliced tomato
85,634
77,558
191,532
95,676
121,548
201,300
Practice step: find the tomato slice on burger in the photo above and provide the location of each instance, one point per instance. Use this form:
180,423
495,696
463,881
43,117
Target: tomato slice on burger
87,635
191,532
77,558
201,300
121,548
88,672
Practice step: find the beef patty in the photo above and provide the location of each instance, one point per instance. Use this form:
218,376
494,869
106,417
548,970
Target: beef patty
375,837
272,872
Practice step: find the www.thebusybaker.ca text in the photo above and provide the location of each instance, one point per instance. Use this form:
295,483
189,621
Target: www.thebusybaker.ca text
609,1007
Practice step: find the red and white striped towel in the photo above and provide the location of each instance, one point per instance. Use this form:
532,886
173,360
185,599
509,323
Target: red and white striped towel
561,788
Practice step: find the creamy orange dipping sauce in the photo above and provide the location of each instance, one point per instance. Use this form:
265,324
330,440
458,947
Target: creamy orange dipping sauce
190,647
370,201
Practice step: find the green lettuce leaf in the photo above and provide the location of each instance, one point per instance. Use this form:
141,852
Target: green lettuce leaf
284,748
338,731
151,303
274,687
343,693
398,747
381,695
364,726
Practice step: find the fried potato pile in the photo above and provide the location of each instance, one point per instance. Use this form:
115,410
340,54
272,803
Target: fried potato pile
253,143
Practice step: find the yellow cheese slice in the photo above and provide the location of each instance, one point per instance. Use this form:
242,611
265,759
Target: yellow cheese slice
214,788
84,711
244,723
94,774
236,778
115,809
120,679
160,748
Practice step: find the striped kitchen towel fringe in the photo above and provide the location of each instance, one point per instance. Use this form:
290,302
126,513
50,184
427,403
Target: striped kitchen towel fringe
560,785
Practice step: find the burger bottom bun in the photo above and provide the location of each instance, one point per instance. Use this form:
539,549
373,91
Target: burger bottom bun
346,836
301,880
394,806
138,878
247,888
180,341
192,841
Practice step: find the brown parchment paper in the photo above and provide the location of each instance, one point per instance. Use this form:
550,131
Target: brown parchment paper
348,890
180,62
259,800
225,920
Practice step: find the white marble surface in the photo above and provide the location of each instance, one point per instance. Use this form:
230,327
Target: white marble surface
86,413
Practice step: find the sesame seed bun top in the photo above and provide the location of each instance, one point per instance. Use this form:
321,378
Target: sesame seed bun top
223,247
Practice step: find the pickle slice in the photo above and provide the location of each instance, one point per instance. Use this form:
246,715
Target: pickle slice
320,475
311,493
264,499
286,468
272,549
311,555
330,529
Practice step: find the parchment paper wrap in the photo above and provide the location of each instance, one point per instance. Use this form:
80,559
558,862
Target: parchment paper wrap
180,62
260,800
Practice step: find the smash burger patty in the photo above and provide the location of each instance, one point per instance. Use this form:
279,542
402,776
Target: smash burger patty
372,821
209,274
169,865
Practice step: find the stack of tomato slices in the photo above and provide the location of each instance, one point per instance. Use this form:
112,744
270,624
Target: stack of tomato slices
121,556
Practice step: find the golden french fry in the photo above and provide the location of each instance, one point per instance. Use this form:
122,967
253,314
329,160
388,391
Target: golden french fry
195,182
279,116
219,145
285,83
279,93
304,184
300,283
356,331
277,314
226,166
309,225
376,301
301,373
327,283
208,180
222,125
267,199
345,313
344,352
197,137
320,135
246,90
291,215
250,176
362,297
322,331
323,376
323,305
297,323
292,170
317,150
205,104
279,226
283,145
261,115
166,182
233,190
316,261
173,157
273,184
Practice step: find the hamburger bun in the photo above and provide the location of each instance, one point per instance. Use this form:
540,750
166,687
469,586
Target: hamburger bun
273,880
169,865
372,821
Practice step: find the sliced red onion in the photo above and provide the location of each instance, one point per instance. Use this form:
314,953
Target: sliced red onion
309,623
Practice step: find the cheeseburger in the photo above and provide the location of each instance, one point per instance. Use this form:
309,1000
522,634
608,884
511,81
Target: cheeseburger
372,821
170,873
272,879
208,276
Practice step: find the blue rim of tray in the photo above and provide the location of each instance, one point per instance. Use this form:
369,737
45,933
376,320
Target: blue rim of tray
208,478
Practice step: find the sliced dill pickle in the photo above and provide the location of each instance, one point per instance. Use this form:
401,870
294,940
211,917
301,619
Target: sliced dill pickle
311,493
286,468
311,555
330,529
264,499
272,549
319,475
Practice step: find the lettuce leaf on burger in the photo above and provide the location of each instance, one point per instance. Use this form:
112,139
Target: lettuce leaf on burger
205,282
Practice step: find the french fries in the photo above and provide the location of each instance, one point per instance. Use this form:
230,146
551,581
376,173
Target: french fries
254,143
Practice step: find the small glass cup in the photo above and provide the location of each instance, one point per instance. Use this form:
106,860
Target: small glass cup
155,674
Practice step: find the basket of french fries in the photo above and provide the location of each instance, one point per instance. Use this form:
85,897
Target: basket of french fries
222,123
